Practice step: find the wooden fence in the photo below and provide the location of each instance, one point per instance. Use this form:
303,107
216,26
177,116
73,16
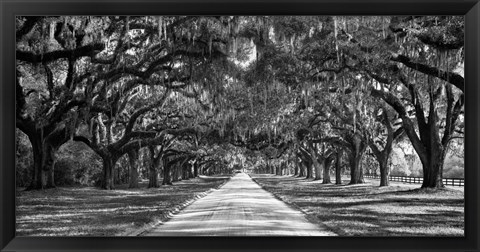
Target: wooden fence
419,180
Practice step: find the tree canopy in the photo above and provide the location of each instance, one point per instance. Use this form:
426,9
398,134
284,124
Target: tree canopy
202,92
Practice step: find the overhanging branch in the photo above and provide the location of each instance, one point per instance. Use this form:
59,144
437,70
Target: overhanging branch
450,77
88,50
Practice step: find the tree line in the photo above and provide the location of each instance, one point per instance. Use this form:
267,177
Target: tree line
308,91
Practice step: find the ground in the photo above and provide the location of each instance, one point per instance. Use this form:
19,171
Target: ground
88,211
345,210
239,208
369,210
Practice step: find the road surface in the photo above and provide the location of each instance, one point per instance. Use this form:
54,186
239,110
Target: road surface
239,208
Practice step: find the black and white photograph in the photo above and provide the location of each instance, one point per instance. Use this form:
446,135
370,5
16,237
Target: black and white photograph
240,126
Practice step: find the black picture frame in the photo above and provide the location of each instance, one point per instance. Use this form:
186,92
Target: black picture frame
10,8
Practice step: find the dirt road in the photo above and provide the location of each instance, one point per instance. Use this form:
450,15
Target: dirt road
239,208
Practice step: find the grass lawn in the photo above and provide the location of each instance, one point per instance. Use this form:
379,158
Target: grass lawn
88,211
369,210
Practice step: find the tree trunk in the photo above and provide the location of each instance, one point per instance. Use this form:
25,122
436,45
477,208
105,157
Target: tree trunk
116,175
309,166
153,168
43,164
307,161
186,171
190,171
433,168
183,172
153,176
296,168
432,163
195,169
167,179
432,156
382,159
326,170
108,166
50,174
384,172
175,172
319,166
317,161
133,161
38,173
302,167
49,159
182,169
338,167
356,172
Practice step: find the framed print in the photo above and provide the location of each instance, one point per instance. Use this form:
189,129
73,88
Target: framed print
239,125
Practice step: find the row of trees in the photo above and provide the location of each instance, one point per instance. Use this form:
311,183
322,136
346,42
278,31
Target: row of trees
364,83
191,90
117,84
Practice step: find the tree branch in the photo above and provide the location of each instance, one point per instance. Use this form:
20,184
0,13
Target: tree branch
84,140
396,104
141,111
450,77
88,50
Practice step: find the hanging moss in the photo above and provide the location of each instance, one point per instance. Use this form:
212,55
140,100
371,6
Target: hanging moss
210,41
127,28
165,30
305,94
234,46
160,26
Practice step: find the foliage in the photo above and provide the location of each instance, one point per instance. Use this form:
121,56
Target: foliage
238,90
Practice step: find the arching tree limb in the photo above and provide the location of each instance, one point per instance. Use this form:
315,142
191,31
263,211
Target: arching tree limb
76,53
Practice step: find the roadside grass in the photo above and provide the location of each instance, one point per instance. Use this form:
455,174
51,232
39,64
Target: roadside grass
89,211
370,210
